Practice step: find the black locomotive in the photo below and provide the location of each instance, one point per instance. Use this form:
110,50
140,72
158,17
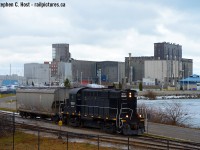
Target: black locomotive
112,110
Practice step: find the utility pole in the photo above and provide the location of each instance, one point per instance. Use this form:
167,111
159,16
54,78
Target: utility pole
129,68
100,76
188,80
77,76
183,79
81,77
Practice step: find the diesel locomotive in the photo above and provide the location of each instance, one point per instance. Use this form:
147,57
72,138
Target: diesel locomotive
111,110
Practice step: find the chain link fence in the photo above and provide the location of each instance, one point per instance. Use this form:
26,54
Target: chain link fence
14,136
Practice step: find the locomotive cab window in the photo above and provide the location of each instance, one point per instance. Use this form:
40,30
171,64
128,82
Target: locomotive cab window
72,99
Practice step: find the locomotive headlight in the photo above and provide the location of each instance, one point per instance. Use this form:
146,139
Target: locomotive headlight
126,116
140,116
130,95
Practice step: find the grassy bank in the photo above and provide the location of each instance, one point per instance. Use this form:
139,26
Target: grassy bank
8,109
6,95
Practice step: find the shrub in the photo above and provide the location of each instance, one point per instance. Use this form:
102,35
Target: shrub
140,86
67,83
150,95
170,113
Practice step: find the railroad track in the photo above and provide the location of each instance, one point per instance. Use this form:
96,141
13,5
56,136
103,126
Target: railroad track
131,142
142,142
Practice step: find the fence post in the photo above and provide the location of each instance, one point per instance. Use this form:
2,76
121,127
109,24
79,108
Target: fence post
13,130
98,142
67,140
128,143
38,139
168,144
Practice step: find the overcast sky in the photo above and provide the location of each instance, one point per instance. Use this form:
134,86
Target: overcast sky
97,30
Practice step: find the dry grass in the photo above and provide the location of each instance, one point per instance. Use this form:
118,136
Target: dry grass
8,109
6,95
24,141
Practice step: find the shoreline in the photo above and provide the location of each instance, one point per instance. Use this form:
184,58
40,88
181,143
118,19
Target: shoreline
170,94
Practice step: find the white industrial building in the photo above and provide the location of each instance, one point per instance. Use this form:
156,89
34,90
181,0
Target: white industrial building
163,71
38,74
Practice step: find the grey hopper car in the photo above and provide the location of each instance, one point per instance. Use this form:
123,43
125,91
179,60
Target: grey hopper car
41,102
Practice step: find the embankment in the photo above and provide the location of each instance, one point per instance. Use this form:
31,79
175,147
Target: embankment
195,94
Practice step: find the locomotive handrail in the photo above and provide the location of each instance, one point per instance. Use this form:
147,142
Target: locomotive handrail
121,124
102,108
121,113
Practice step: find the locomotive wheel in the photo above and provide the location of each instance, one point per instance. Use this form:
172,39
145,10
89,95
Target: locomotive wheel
109,128
66,120
74,121
126,129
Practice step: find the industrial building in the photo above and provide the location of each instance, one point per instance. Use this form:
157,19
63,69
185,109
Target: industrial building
64,67
192,82
97,72
166,67
111,71
134,68
37,74
60,71
60,52
41,74
167,51
157,69
83,71
60,65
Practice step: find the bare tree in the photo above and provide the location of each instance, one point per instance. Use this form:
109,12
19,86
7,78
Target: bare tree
170,113
175,114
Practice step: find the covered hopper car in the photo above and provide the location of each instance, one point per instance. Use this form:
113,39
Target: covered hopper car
41,102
